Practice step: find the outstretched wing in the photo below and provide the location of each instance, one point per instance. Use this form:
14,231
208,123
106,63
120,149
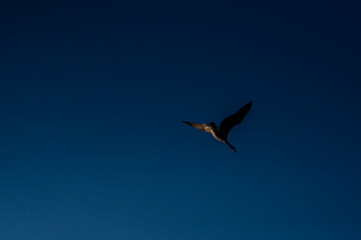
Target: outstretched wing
231,121
200,126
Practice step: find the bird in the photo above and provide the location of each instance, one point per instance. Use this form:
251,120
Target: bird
221,133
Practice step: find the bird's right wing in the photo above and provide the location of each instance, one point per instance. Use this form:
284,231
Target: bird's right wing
200,126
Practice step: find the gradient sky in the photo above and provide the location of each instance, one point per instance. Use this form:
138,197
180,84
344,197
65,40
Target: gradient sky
92,98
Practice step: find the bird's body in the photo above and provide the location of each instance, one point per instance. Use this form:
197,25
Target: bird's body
217,134
221,133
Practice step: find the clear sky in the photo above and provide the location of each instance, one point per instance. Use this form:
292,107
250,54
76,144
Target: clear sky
92,98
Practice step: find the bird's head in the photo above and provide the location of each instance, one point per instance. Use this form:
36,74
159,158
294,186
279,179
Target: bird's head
212,125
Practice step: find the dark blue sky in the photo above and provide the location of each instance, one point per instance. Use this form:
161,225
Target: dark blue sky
93,95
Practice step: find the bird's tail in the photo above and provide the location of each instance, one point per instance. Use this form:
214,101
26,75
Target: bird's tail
233,149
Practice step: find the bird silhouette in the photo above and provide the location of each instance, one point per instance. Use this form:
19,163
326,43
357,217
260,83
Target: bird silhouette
221,133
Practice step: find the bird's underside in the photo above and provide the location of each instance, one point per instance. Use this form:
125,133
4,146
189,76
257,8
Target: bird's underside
221,133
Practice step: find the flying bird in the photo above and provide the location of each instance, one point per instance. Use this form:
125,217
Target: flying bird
221,133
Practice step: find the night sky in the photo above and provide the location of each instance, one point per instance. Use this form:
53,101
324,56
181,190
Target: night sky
92,95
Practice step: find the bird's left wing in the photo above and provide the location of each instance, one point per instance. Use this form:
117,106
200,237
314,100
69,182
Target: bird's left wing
231,121
200,126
